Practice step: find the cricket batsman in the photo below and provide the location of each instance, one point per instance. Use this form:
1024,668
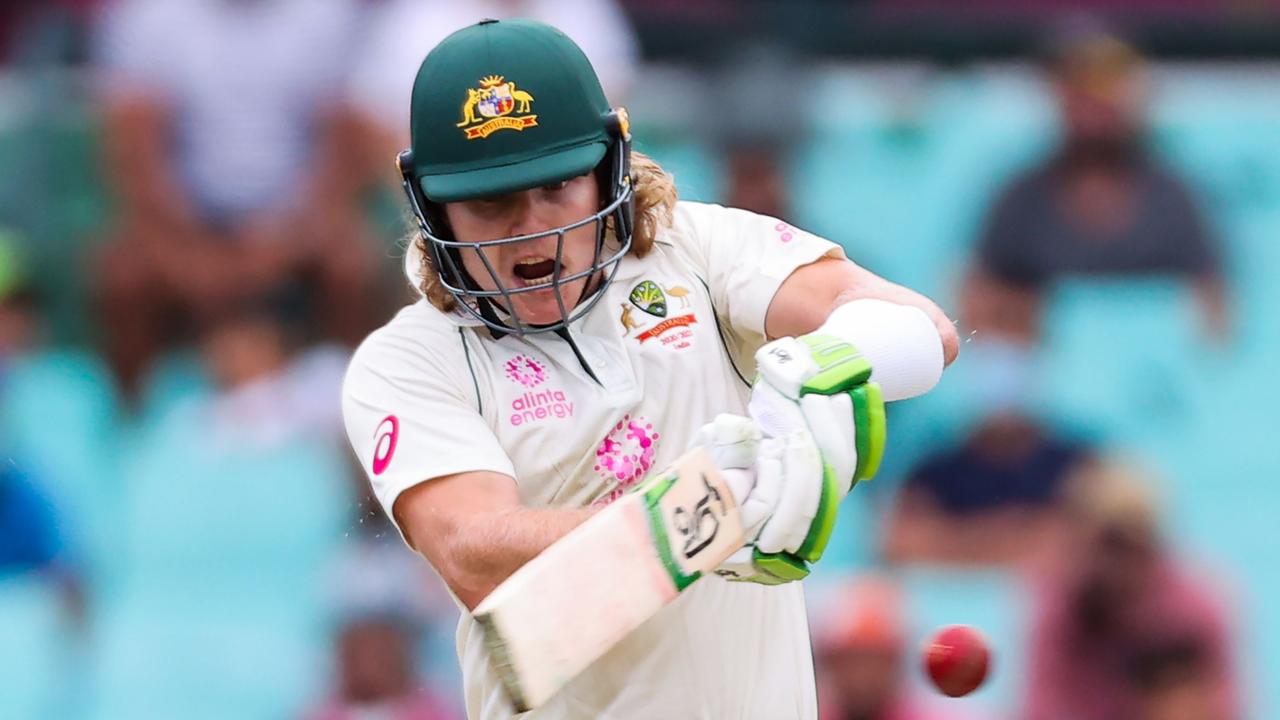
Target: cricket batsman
578,329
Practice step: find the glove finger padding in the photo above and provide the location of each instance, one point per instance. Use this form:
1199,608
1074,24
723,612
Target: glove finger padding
831,420
800,496
758,506
774,412
731,441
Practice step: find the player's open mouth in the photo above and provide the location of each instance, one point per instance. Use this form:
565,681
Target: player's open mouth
535,271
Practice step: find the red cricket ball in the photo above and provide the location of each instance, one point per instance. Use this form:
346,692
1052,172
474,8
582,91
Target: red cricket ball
957,659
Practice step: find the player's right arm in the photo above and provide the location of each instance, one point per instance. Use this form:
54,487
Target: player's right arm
415,424
473,530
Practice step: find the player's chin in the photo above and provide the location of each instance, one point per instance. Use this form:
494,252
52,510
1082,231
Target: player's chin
540,306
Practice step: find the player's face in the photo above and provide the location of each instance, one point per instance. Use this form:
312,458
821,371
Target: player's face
531,262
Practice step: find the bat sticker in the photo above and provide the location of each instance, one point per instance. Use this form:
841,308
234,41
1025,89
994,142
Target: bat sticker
700,530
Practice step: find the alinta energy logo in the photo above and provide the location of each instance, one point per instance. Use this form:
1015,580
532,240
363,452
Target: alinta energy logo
526,371
531,407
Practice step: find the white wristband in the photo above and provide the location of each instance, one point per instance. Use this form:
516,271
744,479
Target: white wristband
900,341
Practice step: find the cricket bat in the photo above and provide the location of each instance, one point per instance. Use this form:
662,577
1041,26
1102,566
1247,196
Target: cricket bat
565,608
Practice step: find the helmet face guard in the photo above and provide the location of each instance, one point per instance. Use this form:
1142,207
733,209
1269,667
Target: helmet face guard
494,307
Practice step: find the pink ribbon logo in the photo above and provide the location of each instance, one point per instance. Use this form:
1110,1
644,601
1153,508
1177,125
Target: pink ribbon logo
625,456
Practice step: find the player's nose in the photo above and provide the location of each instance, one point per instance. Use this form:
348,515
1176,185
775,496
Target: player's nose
525,218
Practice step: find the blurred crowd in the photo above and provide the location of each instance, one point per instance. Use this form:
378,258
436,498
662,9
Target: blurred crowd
198,222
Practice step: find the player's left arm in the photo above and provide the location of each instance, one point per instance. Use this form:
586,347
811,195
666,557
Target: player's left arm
807,297
847,341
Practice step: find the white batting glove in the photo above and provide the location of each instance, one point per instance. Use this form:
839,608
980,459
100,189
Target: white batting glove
778,484
819,385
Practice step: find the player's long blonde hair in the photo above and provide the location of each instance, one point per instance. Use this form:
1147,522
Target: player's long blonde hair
655,197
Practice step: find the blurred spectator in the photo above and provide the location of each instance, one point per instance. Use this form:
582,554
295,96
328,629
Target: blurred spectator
31,539
29,535
32,536
756,144
14,17
1124,629
756,180
270,387
228,153
19,317
388,600
993,499
404,31
1100,205
377,675
860,649
43,29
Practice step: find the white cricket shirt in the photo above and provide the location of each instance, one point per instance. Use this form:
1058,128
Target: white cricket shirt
433,394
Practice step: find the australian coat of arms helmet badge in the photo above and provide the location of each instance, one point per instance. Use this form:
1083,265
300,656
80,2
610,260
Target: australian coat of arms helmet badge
490,108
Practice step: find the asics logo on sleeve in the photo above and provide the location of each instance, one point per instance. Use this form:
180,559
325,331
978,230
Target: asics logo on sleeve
384,443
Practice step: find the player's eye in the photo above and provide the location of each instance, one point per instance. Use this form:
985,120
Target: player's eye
555,187
489,207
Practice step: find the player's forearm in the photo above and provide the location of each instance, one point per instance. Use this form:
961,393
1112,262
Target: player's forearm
482,551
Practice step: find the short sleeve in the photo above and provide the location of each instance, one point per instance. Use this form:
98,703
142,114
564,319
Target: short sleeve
411,415
745,257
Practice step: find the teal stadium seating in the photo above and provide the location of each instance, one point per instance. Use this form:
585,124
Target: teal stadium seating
219,609
207,564
58,416
696,169
899,169
35,650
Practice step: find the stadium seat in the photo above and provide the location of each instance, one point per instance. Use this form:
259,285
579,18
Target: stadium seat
219,609
158,661
59,415
696,168
35,651
173,378
51,189
902,179
1121,357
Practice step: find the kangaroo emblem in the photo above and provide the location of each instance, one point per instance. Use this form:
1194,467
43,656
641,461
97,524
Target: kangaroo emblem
628,323
469,107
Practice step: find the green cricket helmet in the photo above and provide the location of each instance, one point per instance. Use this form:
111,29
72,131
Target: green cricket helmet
504,106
